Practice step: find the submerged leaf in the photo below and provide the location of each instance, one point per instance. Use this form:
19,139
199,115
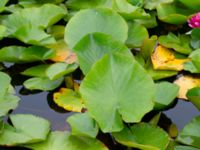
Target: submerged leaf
20,132
190,134
186,83
164,59
113,91
65,141
143,136
83,125
92,47
69,100
101,20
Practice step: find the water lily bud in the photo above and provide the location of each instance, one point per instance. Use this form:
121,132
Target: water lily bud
194,21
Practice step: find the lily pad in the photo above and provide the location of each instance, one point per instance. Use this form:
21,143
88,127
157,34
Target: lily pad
19,54
65,141
169,90
69,100
164,59
83,125
3,4
44,84
186,83
28,24
190,134
129,11
20,132
98,20
94,46
193,95
185,148
195,43
137,34
152,4
110,100
195,4
143,136
195,56
180,43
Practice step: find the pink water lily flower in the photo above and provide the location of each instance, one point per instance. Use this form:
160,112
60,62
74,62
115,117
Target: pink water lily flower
194,21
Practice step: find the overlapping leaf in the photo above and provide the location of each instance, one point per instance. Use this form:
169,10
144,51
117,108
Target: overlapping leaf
114,91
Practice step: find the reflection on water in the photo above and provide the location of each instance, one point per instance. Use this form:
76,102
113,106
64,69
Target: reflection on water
182,113
41,104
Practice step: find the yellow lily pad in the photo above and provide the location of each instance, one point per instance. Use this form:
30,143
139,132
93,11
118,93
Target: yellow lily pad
63,53
186,83
164,59
69,100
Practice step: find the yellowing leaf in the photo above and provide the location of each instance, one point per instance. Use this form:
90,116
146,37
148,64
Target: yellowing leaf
69,100
164,59
185,83
63,54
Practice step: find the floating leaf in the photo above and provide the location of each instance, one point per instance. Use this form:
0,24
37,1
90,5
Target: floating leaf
169,90
31,3
190,134
180,43
195,56
83,125
69,100
94,46
3,4
185,148
65,141
110,100
171,14
186,83
98,20
195,4
28,24
2,31
44,84
63,53
25,129
19,54
5,83
193,95
189,66
164,59
137,34
143,136
129,11
152,4
195,43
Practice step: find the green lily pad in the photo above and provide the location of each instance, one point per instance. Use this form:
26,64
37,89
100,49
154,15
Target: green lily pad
194,4
32,3
170,14
28,24
44,84
152,4
143,136
195,56
25,129
193,95
190,134
180,43
185,148
195,34
189,66
98,20
129,11
65,141
8,100
110,100
83,125
84,4
3,4
2,31
170,91
19,54
137,34
94,46
69,100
